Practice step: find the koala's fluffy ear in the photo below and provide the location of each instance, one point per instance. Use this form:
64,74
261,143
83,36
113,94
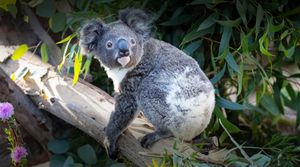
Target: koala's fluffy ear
89,34
137,20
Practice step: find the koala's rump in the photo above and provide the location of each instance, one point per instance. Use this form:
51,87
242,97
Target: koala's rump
180,100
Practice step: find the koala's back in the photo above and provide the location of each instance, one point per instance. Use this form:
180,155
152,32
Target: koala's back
175,94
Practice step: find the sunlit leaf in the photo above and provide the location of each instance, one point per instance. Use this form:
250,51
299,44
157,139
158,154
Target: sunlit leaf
13,76
64,56
19,52
77,67
44,53
154,163
264,45
86,66
68,38
70,58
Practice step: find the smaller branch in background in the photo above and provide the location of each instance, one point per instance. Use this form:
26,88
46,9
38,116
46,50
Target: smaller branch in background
246,156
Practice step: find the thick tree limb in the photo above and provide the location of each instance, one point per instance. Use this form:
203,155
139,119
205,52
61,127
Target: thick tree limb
26,111
88,108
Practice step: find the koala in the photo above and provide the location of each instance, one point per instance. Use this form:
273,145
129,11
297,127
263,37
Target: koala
149,76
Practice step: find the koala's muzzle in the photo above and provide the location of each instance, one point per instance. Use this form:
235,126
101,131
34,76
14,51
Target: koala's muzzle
123,56
123,47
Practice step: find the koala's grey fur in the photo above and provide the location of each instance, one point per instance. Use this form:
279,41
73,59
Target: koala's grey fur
163,82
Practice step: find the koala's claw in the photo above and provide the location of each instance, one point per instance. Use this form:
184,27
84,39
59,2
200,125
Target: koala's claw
148,140
111,149
113,153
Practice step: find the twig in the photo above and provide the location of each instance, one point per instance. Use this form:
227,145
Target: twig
246,156
37,28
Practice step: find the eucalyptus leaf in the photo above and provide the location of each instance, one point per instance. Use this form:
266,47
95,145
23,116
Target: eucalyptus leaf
57,161
77,67
195,35
69,162
57,22
12,10
44,53
224,44
19,52
242,12
68,38
218,76
229,23
230,105
259,17
46,8
261,160
58,146
269,104
275,28
264,45
87,154
192,47
232,63
209,21
228,125
177,20
118,165
34,3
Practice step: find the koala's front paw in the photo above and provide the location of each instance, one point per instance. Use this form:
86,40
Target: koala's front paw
148,140
111,149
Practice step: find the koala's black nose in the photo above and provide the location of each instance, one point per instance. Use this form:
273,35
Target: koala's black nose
123,47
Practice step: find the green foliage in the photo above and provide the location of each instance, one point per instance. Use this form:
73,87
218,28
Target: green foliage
19,52
58,146
87,154
44,53
72,150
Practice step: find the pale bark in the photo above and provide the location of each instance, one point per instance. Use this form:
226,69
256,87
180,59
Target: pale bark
88,108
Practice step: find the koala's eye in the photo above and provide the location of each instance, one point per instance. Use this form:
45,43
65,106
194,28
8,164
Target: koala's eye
109,44
132,41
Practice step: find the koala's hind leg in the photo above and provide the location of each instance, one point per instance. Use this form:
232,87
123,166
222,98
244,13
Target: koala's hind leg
125,112
151,138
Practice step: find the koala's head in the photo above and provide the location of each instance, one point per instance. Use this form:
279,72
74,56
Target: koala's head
118,44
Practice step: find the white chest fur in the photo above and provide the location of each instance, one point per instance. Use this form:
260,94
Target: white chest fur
117,75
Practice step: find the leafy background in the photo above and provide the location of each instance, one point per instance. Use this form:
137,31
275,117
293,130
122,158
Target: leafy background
248,48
